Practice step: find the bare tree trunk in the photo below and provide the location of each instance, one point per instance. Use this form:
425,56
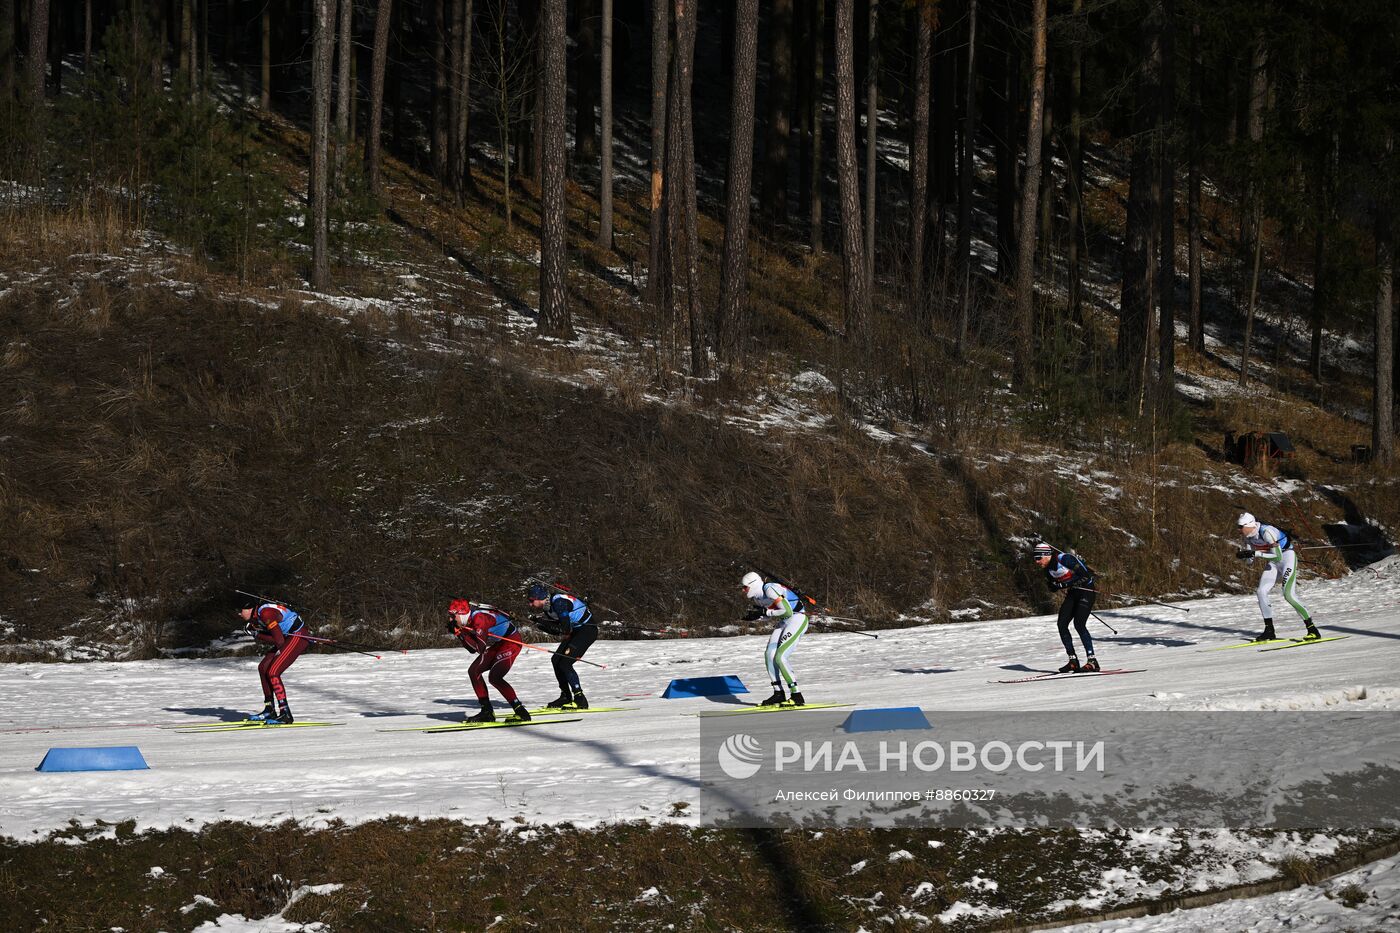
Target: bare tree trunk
186,43
924,11
1258,98
734,278
872,123
1166,291
605,170
438,131
1030,192
7,49
87,35
816,9
848,178
1046,209
1249,313
554,306
1074,169
342,86
383,16
265,90
775,151
58,33
322,42
1382,394
660,66
462,130
586,69
1197,338
38,50
1144,211
965,172
1007,150
686,16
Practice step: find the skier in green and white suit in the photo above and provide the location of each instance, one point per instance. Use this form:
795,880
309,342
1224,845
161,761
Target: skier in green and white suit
1276,548
783,608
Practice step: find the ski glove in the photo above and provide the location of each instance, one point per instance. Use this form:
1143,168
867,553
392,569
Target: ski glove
753,615
1244,554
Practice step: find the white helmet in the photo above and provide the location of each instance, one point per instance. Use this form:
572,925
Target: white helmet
1246,519
753,585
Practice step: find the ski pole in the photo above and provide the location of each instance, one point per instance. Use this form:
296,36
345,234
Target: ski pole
1142,599
842,628
526,644
269,599
1100,618
330,642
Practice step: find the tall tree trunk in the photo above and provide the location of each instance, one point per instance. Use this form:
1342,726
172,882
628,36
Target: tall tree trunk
848,178
1045,212
87,34
1074,168
554,306
265,73
816,9
1008,147
585,90
872,127
1030,193
1255,105
438,131
1197,336
322,44
1382,394
733,316
802,106
38,51
1144,211
343,99
943,150
185,68
1319,300
383,16
58,33
657,280
775,154
1166,322
7,49
605,170
924,12
462,93
686,16
965,175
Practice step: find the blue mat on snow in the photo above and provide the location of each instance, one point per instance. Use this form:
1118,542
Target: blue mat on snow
886,720
725,685
104,758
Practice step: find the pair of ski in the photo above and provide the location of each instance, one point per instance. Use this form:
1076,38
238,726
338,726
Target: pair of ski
1278,644
1068,675
544,716
784,707
245,725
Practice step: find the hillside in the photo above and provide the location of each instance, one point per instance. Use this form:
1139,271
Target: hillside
178,429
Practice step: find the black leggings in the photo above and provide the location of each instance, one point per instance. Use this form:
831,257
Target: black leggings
1077,606
571,648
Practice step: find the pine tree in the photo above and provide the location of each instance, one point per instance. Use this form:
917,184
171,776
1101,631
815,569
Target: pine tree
734,279
554,307
857,284
383,17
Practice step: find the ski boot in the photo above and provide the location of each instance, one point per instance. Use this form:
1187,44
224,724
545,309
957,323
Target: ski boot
579,701
1071,667
1268,633
519,712
1313,634
269,713
564,701
487,714
1091,666
777,697
283,717
795,699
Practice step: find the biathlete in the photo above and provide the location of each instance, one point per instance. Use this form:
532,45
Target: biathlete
1276,548
490,635
782,607
570,619
284,631
1067,572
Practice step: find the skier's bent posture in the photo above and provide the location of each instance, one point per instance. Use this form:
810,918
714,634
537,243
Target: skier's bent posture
569,618
490,635
1276,548
783,608
1067,572
281,628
